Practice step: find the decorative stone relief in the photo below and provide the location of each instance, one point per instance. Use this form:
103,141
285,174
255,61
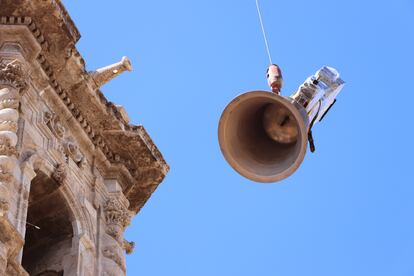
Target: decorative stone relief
110,252
6,148
60,173
12,74
69,146
54,124
72,151
117,218
103,143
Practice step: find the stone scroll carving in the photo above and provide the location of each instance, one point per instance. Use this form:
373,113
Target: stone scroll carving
54,124
117,219
69,147
72,150
12,85
12,74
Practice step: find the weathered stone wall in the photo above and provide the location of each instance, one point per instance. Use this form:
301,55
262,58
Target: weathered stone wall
35,138
72,170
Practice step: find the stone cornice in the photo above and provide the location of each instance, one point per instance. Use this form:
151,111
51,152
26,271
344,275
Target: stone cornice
99,118
70,25
27,21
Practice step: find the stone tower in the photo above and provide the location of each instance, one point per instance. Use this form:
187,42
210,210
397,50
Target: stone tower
72,169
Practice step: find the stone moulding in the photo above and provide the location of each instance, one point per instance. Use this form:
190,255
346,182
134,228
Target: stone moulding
27,21
65,98
98,136
66,18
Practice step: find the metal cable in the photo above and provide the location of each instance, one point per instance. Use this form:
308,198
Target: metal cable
263,31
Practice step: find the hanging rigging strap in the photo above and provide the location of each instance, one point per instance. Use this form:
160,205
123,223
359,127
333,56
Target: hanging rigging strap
310,136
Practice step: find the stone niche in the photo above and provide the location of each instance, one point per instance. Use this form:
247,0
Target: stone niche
73,170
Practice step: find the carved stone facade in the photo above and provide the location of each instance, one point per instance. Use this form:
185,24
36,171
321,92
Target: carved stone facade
73,171
117,218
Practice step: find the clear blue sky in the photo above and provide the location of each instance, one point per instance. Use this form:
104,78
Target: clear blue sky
348,210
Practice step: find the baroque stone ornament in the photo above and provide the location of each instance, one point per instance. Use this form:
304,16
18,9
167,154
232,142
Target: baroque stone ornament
6,148
72,150
117,218
11,73
59,174
68,145
54,124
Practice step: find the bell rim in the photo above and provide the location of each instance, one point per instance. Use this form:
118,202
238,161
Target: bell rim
292,107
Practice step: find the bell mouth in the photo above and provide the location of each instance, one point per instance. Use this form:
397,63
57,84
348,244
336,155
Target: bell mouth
263,136
279,124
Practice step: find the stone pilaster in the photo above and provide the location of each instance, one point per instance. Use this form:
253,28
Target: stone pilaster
117,218
13,83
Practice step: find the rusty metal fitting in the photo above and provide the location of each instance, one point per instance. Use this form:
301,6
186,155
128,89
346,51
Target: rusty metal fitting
274,78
